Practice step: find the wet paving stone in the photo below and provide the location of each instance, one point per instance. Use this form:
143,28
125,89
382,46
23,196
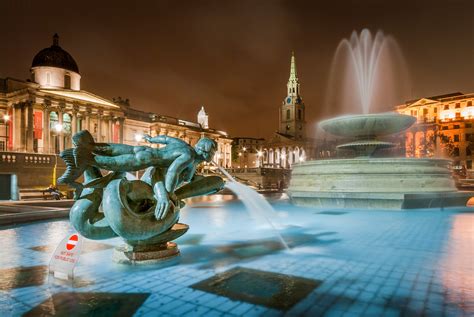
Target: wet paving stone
269,289
372,264
90,304
190,239
34,276
22,277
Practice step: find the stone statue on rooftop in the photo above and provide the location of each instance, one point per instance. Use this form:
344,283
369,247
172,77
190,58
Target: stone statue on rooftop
144,212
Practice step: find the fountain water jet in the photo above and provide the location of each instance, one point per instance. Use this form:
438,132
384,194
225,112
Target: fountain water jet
362,67
257,206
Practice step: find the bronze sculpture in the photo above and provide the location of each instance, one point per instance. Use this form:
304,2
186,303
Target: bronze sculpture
143,212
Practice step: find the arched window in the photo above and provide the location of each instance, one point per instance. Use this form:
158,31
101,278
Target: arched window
53,120
67,81
288,115
67,122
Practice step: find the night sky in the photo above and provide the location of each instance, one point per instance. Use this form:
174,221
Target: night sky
171,57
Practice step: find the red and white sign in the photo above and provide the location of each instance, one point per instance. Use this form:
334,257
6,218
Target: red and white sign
66,256
71,243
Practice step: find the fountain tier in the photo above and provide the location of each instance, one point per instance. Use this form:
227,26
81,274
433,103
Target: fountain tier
375,183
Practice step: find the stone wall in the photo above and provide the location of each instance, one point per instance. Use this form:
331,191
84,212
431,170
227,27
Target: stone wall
33,170
266,178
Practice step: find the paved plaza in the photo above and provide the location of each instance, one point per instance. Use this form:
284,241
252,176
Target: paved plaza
340,263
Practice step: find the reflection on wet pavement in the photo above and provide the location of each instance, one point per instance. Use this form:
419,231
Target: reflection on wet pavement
362,263
90,304
22,277
88,247
259,287
458,277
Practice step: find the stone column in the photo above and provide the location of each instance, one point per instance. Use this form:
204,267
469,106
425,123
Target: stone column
46,131
121,128
61,133
16,146
99,126
22,128
110,127
75,111
29,131
88,121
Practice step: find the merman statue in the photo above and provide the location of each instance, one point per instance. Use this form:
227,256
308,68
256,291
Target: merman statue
144,212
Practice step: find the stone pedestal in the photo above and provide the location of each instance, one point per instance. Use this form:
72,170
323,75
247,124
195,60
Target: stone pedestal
127,254
375,183
153,250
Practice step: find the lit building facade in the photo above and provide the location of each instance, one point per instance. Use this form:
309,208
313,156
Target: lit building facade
444,126
39,116
247,152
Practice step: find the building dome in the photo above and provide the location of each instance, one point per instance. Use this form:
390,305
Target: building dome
55,56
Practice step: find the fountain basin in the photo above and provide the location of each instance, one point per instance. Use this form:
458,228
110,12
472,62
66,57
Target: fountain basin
375,183
367,125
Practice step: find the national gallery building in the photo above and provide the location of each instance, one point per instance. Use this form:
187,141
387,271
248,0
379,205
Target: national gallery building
39,116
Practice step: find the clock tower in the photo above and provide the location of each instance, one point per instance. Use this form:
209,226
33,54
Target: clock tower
292,113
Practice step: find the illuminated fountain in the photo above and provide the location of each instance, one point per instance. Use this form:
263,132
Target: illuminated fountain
366,181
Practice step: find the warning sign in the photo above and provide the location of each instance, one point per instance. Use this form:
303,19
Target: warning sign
66,256
71,243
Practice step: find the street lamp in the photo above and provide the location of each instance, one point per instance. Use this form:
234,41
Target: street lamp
58,127
138,137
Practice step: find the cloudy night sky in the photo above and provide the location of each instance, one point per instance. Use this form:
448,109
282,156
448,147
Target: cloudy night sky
171,57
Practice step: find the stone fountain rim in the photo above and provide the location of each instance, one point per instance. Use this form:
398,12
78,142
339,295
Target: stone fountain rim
327,123
374,160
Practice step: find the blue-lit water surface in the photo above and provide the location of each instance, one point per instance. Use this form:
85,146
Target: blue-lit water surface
369,262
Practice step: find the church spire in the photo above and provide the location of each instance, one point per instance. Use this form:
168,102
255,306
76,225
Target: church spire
293,74
293,83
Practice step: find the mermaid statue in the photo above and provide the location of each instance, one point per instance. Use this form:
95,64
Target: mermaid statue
143,212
